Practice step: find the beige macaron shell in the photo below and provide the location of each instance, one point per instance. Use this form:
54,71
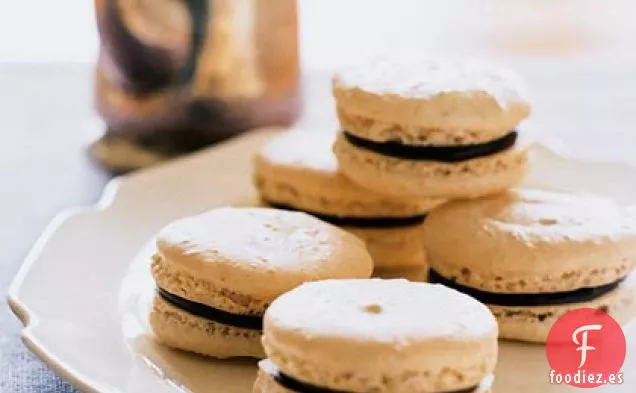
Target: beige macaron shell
178,329
418,274
528,241
533,323
299,169
261,253
392,248
394,176
430,101
381,335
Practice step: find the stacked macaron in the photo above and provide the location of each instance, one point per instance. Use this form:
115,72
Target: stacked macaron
298,171
532,256
217,272
377,336
431,128
450,129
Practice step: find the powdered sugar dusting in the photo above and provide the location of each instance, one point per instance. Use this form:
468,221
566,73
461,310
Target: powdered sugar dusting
401,312
549,216
262,252
262,239
426,78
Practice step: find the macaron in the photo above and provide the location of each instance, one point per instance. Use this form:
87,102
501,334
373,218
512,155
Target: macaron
298,171
443,128
217,272
533,255
377,335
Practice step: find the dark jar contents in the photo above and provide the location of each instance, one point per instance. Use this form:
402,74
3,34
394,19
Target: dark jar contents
177,75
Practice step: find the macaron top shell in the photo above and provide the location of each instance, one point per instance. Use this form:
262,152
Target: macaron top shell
261,252
300,169
421,95
426,78
378,331
532,241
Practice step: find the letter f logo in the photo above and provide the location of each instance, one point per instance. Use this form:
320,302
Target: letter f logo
583,343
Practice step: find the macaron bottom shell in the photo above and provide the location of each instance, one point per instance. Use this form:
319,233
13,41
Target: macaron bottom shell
529,317
423,178
178,329
532,324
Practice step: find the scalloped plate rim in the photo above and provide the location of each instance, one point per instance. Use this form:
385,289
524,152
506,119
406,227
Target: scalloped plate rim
22,311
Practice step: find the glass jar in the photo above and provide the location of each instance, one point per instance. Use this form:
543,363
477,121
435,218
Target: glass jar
177,75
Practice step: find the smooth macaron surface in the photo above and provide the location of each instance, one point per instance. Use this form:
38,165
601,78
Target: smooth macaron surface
299,169
369,335
260,252
528,241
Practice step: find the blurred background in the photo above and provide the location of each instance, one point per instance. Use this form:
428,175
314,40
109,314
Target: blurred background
72,115
334,30
576,54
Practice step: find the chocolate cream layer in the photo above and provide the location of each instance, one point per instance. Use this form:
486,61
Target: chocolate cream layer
440,153
213,314
295,385
581,295
359,222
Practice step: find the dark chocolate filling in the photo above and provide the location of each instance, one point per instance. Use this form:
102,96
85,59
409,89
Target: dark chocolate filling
442,153
211,313
526,299
295,385
359,222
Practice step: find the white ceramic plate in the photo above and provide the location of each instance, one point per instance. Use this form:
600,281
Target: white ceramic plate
82,293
